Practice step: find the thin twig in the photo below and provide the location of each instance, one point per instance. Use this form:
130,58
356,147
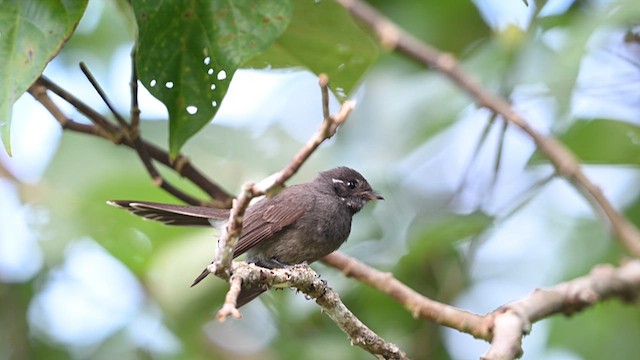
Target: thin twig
475,154
325,131
103,95
113,133
229,308
323,80
135,108
396,39
103,128
133,133
39,92
230,236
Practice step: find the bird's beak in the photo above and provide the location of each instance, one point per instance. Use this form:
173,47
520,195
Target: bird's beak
375,196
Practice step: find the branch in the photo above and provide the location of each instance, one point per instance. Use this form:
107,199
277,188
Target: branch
231,233
417,304
307,281
512,321
326,130
101,127
396,39
303,278
229,308
39,92
505,326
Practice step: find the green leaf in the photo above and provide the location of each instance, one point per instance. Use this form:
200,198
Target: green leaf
617,334
31,34
444,231
188,52
438,23
323,38
600,141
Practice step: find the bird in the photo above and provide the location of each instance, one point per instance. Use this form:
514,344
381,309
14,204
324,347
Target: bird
301,224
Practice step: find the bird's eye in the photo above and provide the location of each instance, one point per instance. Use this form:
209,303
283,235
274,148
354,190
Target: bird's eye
352,184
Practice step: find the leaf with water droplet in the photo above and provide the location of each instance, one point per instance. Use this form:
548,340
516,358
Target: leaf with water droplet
195,47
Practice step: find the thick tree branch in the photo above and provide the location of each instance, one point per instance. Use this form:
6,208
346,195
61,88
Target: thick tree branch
417,304
303,278
396,39
506,326
512,321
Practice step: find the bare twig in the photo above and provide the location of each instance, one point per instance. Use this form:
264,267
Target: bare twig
132,135
233,230
323,81
39,92
103,128
324,132
135,109
229,308
103,95
396,39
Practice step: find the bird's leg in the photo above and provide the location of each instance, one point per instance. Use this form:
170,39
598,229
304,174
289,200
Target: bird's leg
272,263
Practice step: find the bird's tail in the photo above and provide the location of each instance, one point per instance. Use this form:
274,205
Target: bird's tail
177,215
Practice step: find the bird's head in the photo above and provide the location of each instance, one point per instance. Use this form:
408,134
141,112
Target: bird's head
350,186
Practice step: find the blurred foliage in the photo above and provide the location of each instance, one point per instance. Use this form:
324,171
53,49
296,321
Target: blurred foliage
576,332
589,140
412,135
189,51
31,34
439,22
323,38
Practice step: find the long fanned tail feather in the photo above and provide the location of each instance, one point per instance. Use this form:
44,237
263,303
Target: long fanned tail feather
174,215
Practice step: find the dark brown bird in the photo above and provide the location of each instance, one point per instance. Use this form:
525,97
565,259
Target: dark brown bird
302,223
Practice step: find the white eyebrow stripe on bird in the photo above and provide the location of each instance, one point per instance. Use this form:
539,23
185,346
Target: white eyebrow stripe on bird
337,181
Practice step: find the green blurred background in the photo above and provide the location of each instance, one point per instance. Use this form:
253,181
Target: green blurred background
473,216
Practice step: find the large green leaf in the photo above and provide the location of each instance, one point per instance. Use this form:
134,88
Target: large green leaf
31,33
188,52
601,141
323,38
452,26
442,232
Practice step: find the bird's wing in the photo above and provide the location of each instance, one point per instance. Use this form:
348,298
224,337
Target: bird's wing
266,220
179,215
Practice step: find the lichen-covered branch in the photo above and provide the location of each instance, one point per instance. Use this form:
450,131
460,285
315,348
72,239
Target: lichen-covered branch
306,280
512,321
